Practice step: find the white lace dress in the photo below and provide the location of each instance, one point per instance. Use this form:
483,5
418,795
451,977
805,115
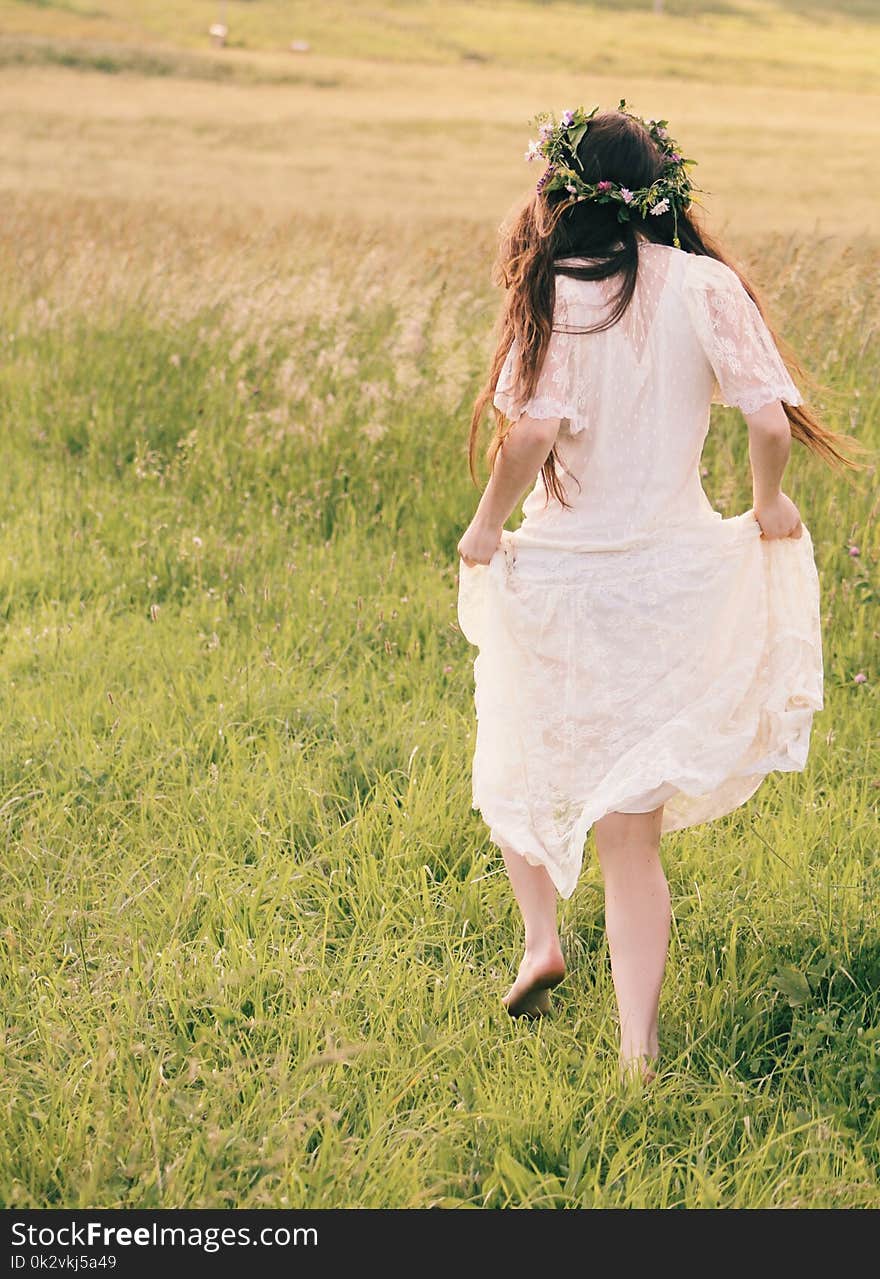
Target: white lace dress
638,648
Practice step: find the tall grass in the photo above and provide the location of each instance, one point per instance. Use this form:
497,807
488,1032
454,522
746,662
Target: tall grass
254,936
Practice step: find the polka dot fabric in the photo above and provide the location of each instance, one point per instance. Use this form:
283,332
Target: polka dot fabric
638,648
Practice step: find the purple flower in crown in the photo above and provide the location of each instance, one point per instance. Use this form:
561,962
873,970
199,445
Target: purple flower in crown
604,186
572,190
567,119
544,131
545,178
626,195
675,158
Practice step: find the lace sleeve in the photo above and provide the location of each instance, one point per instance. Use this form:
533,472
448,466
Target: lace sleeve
748,368
559,392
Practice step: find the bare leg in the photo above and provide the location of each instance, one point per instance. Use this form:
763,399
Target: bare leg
637,918
542,964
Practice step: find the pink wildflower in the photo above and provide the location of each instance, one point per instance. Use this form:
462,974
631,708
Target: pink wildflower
861,678
605,186
626,195
854,551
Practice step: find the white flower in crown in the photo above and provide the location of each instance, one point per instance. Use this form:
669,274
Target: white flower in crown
534,151
662,206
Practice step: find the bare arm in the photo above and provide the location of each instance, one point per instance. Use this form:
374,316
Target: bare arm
769,449
517,463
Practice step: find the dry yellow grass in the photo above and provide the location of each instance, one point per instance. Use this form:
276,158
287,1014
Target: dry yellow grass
422,142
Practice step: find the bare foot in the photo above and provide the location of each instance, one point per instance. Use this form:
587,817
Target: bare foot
529,996
640,1067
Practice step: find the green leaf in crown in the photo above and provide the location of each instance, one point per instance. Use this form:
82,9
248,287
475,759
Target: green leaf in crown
558,142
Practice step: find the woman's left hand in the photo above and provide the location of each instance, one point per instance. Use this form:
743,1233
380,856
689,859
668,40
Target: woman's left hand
479,543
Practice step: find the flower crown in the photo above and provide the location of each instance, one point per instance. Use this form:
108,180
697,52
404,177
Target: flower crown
558,143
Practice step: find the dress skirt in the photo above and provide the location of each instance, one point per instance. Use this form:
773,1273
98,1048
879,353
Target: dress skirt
678,671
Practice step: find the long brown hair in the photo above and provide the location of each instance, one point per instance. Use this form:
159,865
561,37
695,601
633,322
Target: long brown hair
548,229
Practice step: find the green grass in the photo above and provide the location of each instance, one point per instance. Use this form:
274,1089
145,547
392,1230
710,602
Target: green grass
794,43
116,59
255,937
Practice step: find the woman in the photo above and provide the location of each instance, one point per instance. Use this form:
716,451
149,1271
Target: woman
643,663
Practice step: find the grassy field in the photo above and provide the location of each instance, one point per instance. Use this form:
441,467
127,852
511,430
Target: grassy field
254,938
430,121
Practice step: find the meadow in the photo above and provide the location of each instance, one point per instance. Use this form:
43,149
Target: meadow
253,936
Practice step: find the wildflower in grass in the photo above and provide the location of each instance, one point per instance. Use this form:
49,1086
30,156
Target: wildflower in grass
861,678
854,552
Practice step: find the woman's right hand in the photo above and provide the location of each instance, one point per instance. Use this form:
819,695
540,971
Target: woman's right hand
778,517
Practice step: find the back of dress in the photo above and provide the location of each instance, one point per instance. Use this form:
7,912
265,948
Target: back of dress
680,660
635,398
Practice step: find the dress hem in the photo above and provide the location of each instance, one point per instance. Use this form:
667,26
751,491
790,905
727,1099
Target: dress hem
527,846
714,750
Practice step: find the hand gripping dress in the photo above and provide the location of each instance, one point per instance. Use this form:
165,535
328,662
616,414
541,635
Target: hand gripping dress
638,648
